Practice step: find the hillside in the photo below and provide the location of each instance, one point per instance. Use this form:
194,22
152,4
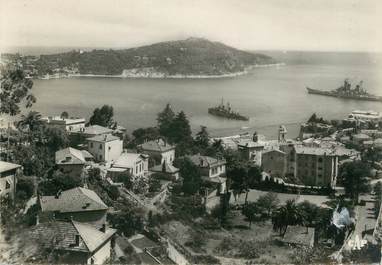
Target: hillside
193,56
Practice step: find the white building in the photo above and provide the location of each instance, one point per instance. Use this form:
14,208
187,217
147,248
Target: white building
69,124
105,147
365,115
212,169
134,164
160,150
8,179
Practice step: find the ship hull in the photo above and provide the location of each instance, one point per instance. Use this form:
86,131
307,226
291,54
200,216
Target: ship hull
231,116
333,94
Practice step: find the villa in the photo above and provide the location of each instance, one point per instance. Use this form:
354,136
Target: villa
105,148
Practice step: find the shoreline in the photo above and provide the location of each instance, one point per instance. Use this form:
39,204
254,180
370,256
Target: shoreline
164,76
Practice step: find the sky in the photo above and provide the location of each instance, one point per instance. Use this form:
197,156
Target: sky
320,25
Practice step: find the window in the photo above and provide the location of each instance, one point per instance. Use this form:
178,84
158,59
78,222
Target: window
100,157
100,146
7,185
109,148
320,159
91,145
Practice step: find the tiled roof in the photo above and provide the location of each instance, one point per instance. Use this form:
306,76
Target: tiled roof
127,160
71,156
206,161
103,138
5,166
314,150
73,200
62,235
165,168
91,236
157,145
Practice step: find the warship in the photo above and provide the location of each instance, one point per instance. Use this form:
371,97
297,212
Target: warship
345,91
226,111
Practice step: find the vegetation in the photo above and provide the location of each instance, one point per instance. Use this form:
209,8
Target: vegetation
103,116
287,214
185,57
354,177
128,221
58,181
15,92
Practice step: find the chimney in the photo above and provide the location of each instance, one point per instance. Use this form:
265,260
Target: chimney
77,240
103,228
58,194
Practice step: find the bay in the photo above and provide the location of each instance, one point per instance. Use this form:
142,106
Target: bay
270,96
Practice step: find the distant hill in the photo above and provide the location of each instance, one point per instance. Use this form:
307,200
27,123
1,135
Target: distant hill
193,56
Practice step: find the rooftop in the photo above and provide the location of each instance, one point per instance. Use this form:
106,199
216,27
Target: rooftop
128,160
6,166
66,121
96,130
206,161
73,200
72,156
103,138
64,235
159,145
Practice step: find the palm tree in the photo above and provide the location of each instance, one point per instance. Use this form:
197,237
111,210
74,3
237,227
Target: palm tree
287,214
30,123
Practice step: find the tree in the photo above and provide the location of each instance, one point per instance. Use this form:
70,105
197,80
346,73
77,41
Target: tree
165,120
268,203
216,149
24,188
56,139
310,212
113,192
125,179
154,185
180,130
15,90
202,138
145,134
354,176
64,115
128,221
190,174
287,214
58,181
94,175
102,116
31,122
250,211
